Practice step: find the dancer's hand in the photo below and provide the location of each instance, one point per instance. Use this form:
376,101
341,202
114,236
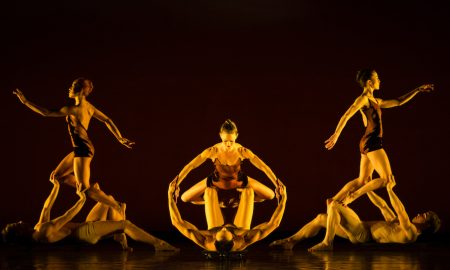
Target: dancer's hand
54,181
174,189
126,142
330,142
280,191
20,95
391,183
425,88
80,192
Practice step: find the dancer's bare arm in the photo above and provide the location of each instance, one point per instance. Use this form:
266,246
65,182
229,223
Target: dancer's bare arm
379,202
112,127
197,161
186,228
48,204
59,222
64,111
403,217
263,230
356,106
258,163
389,103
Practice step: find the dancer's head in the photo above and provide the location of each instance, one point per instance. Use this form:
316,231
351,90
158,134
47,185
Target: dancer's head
427,222
19,233
224,240
228,133
368,77
81,86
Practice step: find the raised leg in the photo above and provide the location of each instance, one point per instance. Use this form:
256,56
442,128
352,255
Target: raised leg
82,173
365,173
380,162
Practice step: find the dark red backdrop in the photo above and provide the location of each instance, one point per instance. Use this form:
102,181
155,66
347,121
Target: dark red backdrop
170,72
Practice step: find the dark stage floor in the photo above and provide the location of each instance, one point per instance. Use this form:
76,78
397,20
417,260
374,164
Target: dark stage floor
107,255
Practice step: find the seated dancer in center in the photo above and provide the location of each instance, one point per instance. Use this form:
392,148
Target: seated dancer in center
341,220
223,237
227,177
103,221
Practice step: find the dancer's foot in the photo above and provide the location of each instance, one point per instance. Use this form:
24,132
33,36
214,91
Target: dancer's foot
122,209
164,246
321,247
287,244
122,239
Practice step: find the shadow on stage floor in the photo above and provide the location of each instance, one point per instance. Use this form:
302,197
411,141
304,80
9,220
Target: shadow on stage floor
433,254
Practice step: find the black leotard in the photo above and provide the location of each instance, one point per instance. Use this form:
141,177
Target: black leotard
82,146
373,137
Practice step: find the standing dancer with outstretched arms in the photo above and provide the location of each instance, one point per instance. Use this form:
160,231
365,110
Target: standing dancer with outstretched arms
373,156
75,167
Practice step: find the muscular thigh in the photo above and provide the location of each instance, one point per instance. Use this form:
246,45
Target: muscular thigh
380,162
365,168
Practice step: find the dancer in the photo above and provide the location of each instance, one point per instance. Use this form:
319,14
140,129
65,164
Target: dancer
75,167
227,157
102,221
373,156
221,237
342,221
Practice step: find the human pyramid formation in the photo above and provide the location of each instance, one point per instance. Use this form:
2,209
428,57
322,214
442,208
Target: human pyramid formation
227,188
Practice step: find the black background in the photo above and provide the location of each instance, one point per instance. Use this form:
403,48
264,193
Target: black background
170,72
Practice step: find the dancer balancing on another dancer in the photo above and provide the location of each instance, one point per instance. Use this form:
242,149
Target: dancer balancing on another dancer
224,237
103,221
75,167
342,221
227,157
373,156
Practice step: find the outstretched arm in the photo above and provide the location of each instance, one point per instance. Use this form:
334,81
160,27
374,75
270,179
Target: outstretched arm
263,230
64,111
379,202
258,163
70,214
197,161
403,217
186,228
389,103
48,204
112,127
356,106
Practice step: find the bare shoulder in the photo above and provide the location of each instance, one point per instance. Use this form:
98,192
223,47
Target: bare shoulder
245,152
210,152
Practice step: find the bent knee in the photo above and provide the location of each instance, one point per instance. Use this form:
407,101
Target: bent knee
321,218
248,191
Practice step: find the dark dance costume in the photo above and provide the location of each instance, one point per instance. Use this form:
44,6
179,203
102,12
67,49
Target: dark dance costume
228,199
373,137
82,146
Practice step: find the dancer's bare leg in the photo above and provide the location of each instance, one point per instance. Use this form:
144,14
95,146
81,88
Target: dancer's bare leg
213,213
109,227
194,193
311,229
244,213
340,219
82,172
380,162
365,174
64,171
103,212
262,192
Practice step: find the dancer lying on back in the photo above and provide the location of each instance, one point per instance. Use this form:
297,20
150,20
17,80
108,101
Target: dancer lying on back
225,238
342,221
102,221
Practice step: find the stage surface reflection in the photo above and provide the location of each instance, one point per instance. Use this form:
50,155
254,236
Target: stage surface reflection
107,255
